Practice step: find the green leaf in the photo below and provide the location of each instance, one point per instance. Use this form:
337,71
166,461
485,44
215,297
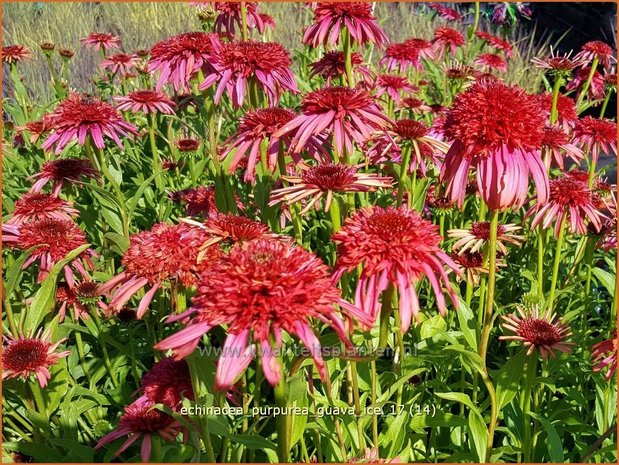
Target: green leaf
43,300
479,434
555,449
457,397
468,323
14,273
252,441
508,379
469,359
606,279
133,203
440,419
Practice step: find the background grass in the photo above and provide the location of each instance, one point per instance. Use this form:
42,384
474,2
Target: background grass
141,24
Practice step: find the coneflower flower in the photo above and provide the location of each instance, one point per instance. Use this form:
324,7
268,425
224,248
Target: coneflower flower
266,64
120,63
141,421
146,101
168,382
26,356
78,117
259,290
473,239
187,146
445,12
498,130
164,253
348,114
34,206
570,199
66,53
414,105
604,355
15,53
333,66
62,171
393,245
199,201
77,296
446,40
227,229
558,65
471,265
597,50
229,18
406,54
179,58
411,135
566,109
491,61
496,42
52,240
38,129
596,136
331,18
557,143
260,128
103,41
536,330
596,85
323,180
393,86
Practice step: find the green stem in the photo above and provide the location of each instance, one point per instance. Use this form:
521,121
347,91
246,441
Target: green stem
282,427
406,159
554,114
346,40
385,314
10,316
152,129
557,262
38,398
82,357
476,22
526,398
487,326
355,392
244,31
605,104
585,87
373,395
540,261
591,173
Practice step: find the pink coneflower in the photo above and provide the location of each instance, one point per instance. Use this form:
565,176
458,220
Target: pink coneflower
199,201
393,86
542,331
491,61
325,179
473,239
393,245
332,66
570,199
558,65
445,12
52,240
566,109
66,53
498,130
164,253
596,86
77,297
15,53
227,229
410,135
102,41
258,129
414,105
348,114
266,64
447,40
168,382
261,289
179,58
120,63
267,23
356,17
62,171
187,145
140,421
34,206
596,136
229,18
146,101
596,49
604,355
38,129
471,265
496,42
26,356
79,117
557,143
408,53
